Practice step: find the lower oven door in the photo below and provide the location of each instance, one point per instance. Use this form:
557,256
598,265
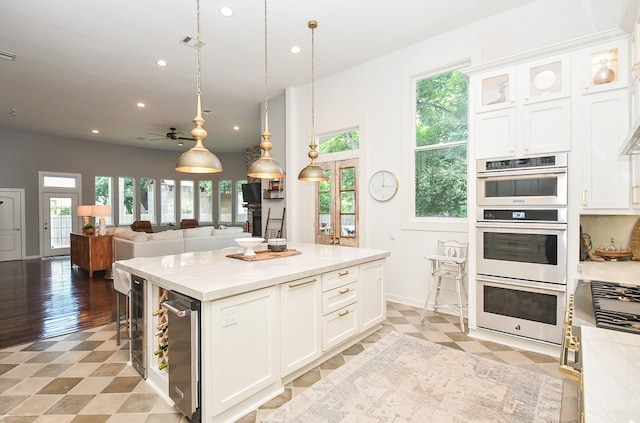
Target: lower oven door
524,308
528,251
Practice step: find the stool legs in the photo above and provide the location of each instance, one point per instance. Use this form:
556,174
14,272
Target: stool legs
461,294
119,323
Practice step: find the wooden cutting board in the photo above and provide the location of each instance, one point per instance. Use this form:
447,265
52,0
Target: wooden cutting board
635,241
265,255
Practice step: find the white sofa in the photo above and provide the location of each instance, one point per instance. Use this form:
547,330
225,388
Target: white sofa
129,244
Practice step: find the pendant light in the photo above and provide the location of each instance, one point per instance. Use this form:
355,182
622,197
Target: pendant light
198,159
313,172
266,166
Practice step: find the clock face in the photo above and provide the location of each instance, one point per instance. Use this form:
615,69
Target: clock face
383,185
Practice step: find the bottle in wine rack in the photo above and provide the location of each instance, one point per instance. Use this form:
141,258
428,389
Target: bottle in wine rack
163,365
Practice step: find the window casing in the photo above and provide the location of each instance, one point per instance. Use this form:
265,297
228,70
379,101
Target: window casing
440,147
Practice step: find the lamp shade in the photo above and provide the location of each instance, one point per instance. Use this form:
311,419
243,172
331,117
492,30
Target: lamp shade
101,210
84,211
313,173
198,160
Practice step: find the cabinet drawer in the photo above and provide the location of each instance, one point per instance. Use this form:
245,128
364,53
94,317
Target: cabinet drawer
338,278
339,326
339,297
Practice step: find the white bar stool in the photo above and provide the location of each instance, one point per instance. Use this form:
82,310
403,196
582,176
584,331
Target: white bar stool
450,263
122,286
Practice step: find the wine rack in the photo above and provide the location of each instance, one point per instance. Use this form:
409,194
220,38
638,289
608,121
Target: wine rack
162,350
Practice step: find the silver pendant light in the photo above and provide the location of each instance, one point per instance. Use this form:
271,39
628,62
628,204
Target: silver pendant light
198,159
313,172
266,166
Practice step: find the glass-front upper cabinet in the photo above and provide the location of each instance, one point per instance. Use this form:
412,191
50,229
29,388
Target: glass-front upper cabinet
546,79
606,66
496,90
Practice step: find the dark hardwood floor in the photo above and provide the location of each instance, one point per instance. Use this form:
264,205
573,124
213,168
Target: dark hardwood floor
47,298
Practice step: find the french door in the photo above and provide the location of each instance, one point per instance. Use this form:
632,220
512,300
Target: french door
58,221
11,217
337,204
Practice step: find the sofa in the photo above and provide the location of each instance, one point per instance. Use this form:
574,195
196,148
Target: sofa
129,244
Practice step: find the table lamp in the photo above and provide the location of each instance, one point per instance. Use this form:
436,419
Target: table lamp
84,212
100,211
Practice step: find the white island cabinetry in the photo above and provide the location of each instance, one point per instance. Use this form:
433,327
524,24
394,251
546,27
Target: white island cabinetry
265,322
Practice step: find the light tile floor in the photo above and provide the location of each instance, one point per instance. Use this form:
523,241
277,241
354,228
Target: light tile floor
83,377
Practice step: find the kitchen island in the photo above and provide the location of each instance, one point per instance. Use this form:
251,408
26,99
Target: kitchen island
262,323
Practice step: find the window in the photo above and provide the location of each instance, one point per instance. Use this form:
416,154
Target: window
205,202
225,193
440,151
343,141
187,202
104,194
126,205
59,182
148,200
241,212
167,201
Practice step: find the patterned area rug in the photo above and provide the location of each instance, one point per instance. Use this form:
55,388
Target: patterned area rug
404,379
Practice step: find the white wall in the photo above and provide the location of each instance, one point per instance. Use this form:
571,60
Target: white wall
376,96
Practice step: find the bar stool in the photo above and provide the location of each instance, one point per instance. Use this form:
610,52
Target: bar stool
449,263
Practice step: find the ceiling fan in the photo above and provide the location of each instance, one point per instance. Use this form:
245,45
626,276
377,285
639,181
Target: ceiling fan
173,136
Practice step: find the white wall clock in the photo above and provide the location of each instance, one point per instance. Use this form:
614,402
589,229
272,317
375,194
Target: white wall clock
383,185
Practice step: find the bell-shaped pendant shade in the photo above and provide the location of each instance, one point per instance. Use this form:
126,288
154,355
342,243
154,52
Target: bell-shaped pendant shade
312,173
198,160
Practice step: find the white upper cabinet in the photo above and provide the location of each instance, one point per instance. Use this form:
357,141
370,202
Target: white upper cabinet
523,110
605,66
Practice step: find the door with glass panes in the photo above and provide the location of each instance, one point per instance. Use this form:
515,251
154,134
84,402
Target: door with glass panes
337,204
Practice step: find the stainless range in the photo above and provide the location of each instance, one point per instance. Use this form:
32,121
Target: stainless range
607,305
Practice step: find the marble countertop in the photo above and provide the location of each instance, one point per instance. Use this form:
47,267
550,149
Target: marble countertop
611,271
611,375
211,275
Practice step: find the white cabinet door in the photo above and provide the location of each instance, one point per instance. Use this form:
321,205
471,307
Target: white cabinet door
373,309
546,127
495,134
245,355
605,175
300,323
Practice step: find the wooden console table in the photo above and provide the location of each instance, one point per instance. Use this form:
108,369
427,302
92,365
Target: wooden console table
92,252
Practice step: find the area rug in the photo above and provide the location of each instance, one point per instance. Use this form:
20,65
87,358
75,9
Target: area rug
404,379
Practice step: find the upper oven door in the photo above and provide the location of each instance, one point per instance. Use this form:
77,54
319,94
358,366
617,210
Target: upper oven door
523,187
530,251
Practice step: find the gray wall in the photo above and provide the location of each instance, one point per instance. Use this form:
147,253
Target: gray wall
23,155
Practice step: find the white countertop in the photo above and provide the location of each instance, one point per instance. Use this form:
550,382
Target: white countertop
210,275
627,271
611,375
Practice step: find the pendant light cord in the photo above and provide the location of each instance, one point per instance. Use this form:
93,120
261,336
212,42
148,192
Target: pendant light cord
313,84
198,92
266,82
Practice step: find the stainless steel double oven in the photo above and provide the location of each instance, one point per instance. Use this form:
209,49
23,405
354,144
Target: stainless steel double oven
521,246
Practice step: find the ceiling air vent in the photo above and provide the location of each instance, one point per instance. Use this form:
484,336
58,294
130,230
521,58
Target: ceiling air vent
7,55
191,42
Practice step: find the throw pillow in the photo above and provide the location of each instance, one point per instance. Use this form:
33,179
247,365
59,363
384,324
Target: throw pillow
170,234
197,232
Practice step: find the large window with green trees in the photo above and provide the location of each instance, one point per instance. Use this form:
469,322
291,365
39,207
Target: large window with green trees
104,194
205,202
148,200
343,141
167,201
241,212
225,200
126,198
187,201
441,113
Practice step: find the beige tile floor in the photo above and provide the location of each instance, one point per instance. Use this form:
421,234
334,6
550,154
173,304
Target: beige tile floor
83,377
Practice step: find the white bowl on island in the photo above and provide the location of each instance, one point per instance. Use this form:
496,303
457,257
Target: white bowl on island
249,244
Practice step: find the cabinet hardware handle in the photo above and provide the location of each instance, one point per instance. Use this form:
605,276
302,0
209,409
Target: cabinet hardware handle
344,291
344,313
295,285
345,273
584,197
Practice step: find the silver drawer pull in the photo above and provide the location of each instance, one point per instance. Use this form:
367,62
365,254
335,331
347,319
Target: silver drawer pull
345,273
295,285
344,291
344,313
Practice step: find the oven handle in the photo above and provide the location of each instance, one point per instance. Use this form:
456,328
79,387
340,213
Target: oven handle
528,284
523,172
522,225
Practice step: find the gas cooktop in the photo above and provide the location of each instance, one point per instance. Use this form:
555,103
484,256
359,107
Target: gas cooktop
616,306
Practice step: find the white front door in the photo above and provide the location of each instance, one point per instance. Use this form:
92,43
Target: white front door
59,220
10,225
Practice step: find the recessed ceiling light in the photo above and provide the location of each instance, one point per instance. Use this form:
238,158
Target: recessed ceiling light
295,50
236,128
161,62
226,11
95,131
140,104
